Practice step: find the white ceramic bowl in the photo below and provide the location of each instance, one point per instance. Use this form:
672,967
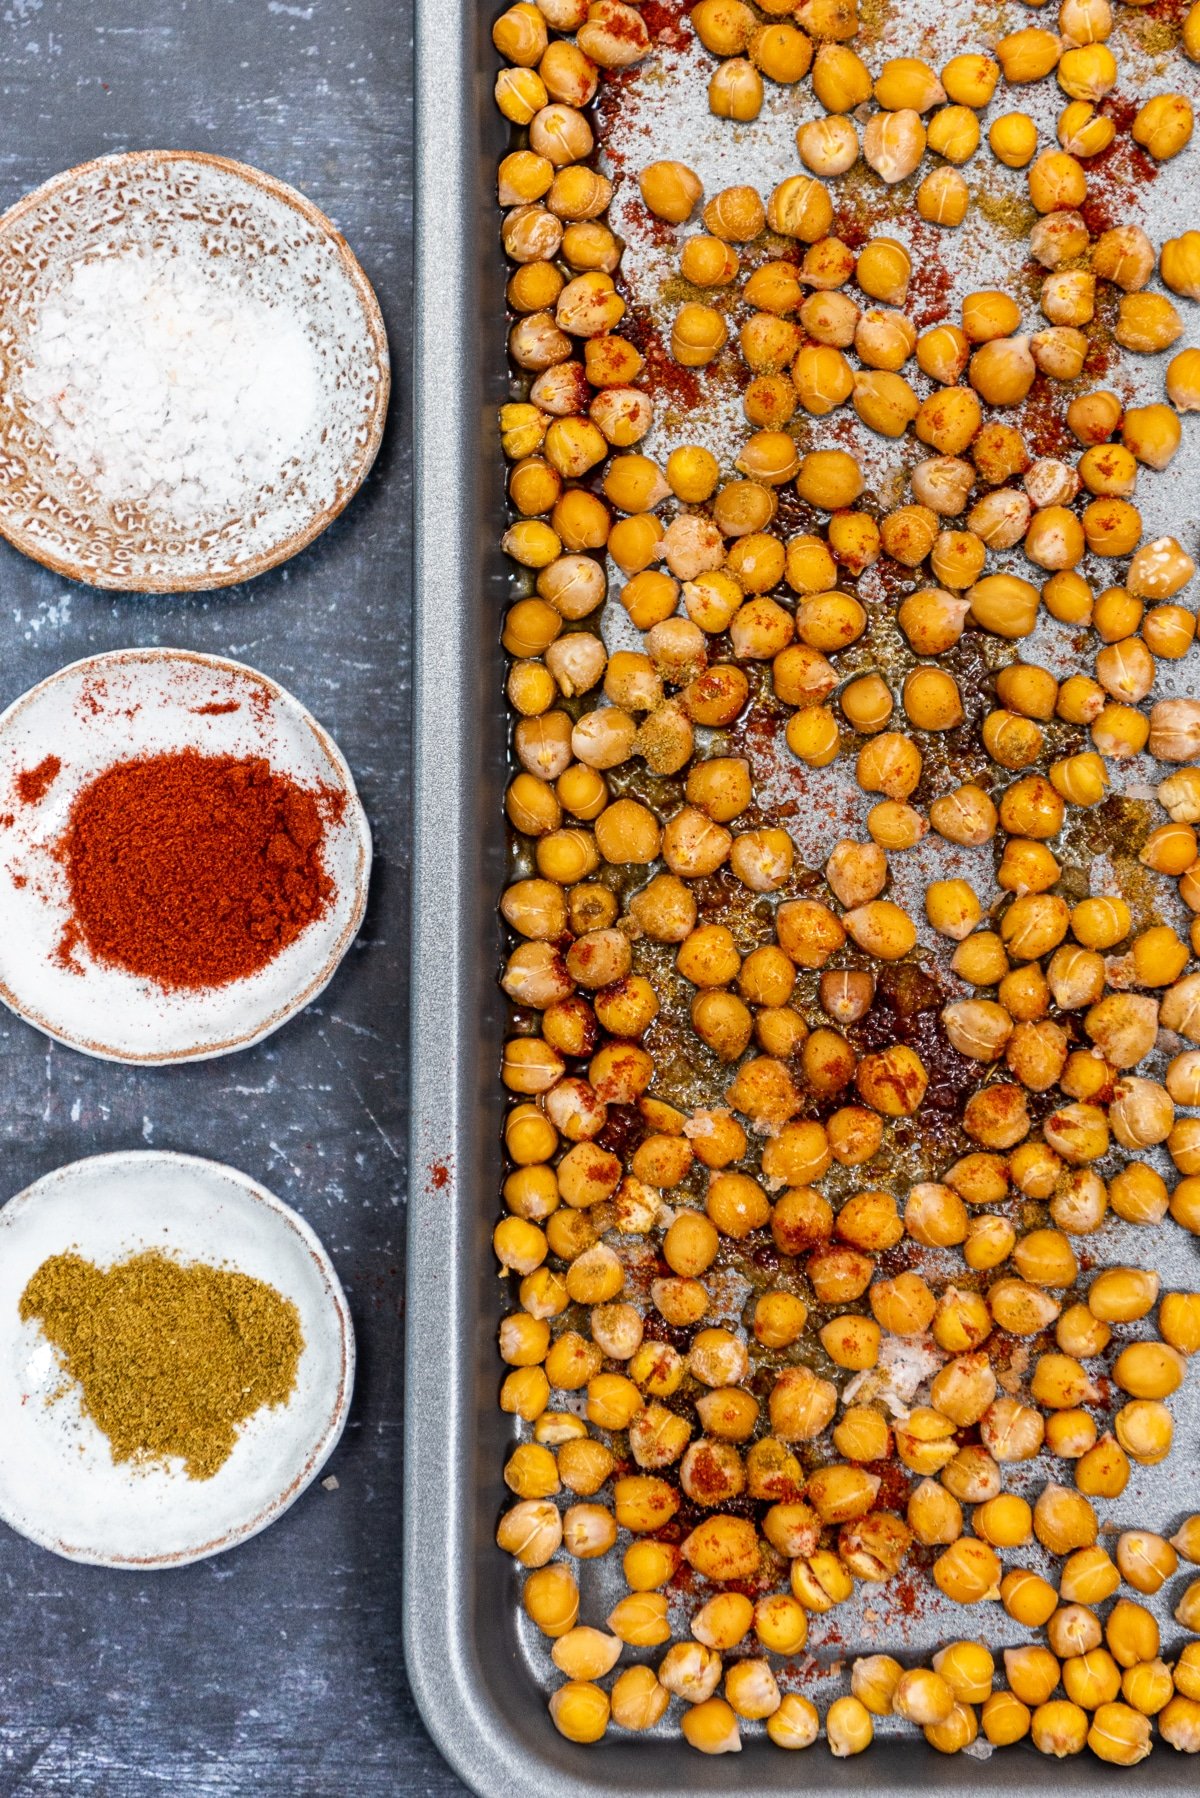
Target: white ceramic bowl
107,709
58,1482
260,244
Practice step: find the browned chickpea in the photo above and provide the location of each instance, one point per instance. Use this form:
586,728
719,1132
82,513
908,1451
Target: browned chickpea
698,333
965,816
694,844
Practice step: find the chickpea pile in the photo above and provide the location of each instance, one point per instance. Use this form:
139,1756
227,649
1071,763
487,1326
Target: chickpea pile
737,1463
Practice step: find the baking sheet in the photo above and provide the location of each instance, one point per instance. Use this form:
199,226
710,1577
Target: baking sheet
481,1673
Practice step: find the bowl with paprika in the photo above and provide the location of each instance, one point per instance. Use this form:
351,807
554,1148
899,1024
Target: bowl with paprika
184,858
176,1359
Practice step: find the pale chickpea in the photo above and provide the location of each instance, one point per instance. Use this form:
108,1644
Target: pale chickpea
568,74
694,844
1069,297
1159,570
830,318
1060,351
613,35
967,815
893,143
828,146
884,338
1058,238
1001,518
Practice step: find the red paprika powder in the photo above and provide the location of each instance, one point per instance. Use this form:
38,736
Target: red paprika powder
194,870
34,783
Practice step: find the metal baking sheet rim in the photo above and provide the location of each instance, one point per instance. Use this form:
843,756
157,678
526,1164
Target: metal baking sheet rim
459,1603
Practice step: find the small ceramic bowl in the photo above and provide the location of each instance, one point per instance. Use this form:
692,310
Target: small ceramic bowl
260,245
109,709
58,1482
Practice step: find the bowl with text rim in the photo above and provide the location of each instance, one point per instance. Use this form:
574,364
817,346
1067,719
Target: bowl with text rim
158,258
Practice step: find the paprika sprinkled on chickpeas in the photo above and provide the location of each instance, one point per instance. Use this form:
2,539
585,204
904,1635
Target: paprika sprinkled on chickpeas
885,621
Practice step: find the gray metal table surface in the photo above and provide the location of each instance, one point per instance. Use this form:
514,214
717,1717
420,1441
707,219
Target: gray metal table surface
275,1669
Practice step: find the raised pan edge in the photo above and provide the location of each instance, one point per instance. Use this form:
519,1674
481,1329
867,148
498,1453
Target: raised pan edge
509,1749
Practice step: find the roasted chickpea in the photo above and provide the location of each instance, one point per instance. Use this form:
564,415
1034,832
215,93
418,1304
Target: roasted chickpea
735,90
1164,125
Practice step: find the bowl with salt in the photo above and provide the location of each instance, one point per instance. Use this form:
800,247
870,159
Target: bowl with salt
195,370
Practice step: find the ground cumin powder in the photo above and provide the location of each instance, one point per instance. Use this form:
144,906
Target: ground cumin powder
170,1357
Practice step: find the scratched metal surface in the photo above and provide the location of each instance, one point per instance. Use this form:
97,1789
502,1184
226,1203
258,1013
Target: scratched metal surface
276,1669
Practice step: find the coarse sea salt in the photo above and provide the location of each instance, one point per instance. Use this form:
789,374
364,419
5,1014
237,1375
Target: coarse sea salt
165,384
